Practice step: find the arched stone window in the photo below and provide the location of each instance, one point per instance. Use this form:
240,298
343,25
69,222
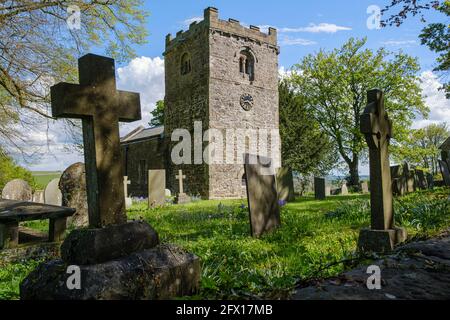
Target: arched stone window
247,64
185,66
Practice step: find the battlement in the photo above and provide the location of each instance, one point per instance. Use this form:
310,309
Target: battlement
232,26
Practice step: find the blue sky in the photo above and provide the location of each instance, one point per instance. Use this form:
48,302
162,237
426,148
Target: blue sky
304,27
169,16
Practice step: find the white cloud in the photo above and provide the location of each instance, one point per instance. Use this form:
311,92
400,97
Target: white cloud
312,28
146,76
288,41
398,43
187,22
435,99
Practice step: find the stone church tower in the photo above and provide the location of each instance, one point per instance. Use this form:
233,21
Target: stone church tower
225,76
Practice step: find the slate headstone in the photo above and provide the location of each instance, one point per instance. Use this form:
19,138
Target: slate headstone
262,194
445,172
319,188
156,188
17,189
52,194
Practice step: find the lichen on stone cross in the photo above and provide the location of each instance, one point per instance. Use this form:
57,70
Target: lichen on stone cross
180,178
377,129
100,106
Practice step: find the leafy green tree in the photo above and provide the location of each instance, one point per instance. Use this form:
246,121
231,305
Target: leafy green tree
304,147
436,35
9,171
158,114
335,84
39,47
421,148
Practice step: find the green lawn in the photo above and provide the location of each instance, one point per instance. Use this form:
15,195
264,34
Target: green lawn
42,178
315,236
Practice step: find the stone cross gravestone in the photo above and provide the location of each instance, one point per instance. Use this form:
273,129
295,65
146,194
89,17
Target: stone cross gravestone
156,188
17,189
128,253
128,201
262,194
377,129
344,189
100,106
445,170
52,194
285,184
181,197
319,188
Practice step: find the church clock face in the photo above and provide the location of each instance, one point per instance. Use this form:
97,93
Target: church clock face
247,102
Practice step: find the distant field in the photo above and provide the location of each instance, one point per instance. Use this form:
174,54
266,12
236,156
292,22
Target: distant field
42,178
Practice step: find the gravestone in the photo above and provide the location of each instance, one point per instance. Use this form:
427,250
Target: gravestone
73,190
344,189
182,197
285,184
399,186
421,180
262,194
52,194
168,193
156,188
17,189
377,129
319,188
410,176
327,191
430,181
128,201
119,259
38,196
364,187
445,170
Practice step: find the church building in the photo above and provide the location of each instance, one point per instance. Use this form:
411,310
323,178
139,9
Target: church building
219,75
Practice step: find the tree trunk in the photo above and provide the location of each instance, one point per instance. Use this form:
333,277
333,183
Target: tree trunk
354,174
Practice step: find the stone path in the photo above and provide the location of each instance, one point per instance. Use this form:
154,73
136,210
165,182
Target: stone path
419,270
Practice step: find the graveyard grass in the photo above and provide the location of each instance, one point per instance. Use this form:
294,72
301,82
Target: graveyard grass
317,239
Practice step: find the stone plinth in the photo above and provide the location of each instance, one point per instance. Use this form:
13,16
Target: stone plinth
380,240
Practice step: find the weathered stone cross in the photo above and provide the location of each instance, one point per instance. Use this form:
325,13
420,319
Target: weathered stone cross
377,128
180,178
100,106
126,183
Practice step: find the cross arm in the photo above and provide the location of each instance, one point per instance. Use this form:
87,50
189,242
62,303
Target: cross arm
129,106
70,100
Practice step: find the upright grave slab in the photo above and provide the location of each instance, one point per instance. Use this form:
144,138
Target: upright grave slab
156,188
52,194
128,201
17,189
127,254
262,194
377,128
319,188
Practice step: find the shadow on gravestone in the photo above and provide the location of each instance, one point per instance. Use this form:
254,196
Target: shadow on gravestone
262,194
285,184
117,259
377,129
17,189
